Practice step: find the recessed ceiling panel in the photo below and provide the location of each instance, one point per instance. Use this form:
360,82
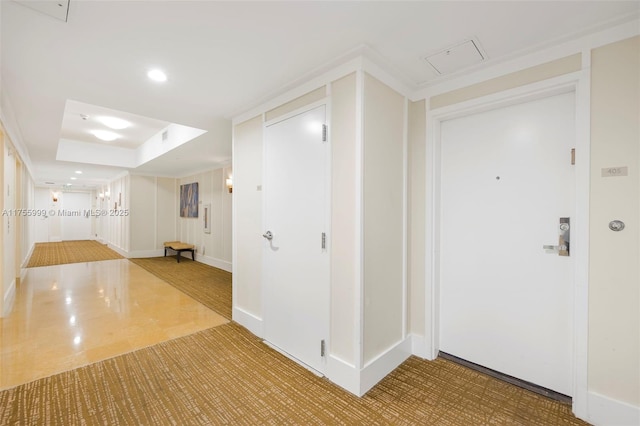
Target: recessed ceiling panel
81,121
456,57
59,9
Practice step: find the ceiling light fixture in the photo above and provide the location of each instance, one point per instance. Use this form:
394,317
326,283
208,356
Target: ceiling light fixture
105,135
78,172
114,122
73,178
157,75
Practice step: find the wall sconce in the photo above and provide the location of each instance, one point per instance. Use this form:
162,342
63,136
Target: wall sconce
101,195
54,196
229,182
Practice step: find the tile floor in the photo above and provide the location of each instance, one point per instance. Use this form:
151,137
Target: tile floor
67,316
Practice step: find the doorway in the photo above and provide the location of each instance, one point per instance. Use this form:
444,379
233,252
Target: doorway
506,181
296,258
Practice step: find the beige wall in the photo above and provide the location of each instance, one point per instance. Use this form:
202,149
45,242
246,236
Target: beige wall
614,284
167,210
527,76
383,217
416,216
247,193
344,182
116,228
382,123
213,248
306,99
143,207
9,222
17,235
4,285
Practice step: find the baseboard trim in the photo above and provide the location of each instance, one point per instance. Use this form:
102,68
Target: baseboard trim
419,346
25,261
8,299
216,263
146,253
343,374
605,411
118,250
384,364
249,321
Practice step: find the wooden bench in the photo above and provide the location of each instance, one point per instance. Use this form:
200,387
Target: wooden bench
180,247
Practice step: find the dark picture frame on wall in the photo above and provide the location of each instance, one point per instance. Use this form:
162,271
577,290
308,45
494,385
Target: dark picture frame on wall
189,200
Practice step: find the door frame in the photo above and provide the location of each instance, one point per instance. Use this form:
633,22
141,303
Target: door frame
578,83
326,102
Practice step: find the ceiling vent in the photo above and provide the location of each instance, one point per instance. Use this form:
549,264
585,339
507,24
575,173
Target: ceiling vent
165,135
457,57
58,9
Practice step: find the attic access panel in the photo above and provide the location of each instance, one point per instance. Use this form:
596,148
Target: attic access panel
58,9
456,57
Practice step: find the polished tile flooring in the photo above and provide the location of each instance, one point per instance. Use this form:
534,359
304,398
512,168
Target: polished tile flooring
67,316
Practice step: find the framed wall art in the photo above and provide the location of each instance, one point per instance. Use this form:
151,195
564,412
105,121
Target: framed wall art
189,200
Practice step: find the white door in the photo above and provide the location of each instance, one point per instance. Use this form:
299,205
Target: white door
75,224
506,179
296,268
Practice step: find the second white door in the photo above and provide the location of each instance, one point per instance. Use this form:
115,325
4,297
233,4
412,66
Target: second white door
506,179
296,260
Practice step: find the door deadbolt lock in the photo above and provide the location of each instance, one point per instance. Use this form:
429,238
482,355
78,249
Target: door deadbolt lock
563,247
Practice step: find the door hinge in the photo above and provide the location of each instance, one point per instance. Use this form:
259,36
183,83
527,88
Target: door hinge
322,348
324,240
573,156
324,133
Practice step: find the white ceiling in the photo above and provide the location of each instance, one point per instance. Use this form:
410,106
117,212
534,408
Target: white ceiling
79,119
224,57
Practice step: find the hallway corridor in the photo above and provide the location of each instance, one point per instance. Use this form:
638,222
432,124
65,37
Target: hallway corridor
67,316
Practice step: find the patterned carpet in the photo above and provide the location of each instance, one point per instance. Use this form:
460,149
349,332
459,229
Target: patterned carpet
225,375
48,254
206,284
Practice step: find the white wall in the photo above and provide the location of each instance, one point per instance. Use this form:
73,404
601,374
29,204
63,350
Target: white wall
247,216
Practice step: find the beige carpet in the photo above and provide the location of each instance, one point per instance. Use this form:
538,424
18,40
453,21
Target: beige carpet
206,284
225,375
48,254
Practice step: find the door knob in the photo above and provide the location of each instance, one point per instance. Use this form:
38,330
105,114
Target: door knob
268,235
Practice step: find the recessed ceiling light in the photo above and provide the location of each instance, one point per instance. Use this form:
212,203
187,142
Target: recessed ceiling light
157,75
114,122
78,172
73,178
105,135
